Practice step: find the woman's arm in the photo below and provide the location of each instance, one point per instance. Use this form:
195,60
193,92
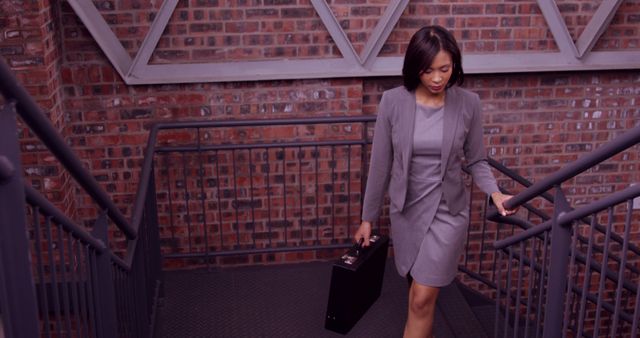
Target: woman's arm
379,172
475,153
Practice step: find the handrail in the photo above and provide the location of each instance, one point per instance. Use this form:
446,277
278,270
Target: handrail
599,205
620,143
143,186
259,146
570,216
260,123
515,176
42,127
519,237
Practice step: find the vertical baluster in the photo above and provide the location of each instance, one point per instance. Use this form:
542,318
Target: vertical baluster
516,315
587,278
541,288
235,196
333,194
54,276
621,270
126,308
169,183
44,299
284,195
317,172
484,233
135,308
131,305
605,259
507,309
498,277
495,239
117,301
63,280
91,292
349,192
532,272
134,295
73,281
98,309
300,195
570,283
636,312
253,208
82,288
203,205
6,325
575,301
186,199
268,173
219,200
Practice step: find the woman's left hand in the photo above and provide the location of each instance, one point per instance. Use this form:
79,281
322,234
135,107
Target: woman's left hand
499,199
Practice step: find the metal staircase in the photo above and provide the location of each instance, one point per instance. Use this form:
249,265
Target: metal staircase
208,197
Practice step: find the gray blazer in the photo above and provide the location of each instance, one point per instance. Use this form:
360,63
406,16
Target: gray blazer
393,143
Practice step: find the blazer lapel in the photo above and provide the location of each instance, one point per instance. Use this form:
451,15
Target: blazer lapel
408,111
451,118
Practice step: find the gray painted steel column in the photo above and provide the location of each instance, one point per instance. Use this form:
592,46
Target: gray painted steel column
106,293
558,269
19,307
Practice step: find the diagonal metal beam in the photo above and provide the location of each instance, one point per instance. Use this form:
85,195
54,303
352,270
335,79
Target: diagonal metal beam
103,35
153,36
337,33
352,64
382,30
559,29
596,26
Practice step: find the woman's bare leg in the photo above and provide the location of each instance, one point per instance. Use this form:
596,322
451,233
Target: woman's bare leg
422,308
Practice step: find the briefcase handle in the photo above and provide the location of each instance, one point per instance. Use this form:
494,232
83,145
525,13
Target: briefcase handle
352,254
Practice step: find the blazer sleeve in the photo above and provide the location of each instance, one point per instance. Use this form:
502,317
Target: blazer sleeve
476,154
380,164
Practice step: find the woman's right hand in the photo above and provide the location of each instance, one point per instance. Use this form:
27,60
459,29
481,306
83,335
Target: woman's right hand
364,232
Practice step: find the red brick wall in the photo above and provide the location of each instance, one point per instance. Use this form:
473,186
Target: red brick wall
534,123
30,44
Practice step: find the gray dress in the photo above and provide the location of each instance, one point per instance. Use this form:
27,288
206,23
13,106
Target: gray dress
435,262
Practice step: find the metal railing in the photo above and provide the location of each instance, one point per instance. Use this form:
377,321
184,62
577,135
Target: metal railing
569,275
257,191
222,192
56,278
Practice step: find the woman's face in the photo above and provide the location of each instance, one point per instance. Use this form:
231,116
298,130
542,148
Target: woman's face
436,77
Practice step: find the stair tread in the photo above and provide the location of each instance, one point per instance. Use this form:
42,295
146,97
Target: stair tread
458,314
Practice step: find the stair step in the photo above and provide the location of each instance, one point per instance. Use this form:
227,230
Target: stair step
486,315
458,314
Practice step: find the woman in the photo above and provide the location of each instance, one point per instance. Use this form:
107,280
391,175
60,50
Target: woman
423,130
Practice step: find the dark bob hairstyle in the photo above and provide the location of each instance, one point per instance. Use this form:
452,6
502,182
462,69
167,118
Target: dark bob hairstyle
422,49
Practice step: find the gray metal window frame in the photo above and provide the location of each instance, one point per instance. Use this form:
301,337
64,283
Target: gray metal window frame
571,56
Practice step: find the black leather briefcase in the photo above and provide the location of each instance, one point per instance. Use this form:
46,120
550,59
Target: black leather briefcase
356,282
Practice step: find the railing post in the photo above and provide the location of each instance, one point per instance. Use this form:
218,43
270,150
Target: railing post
105,289
153,231
558,269
17,293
